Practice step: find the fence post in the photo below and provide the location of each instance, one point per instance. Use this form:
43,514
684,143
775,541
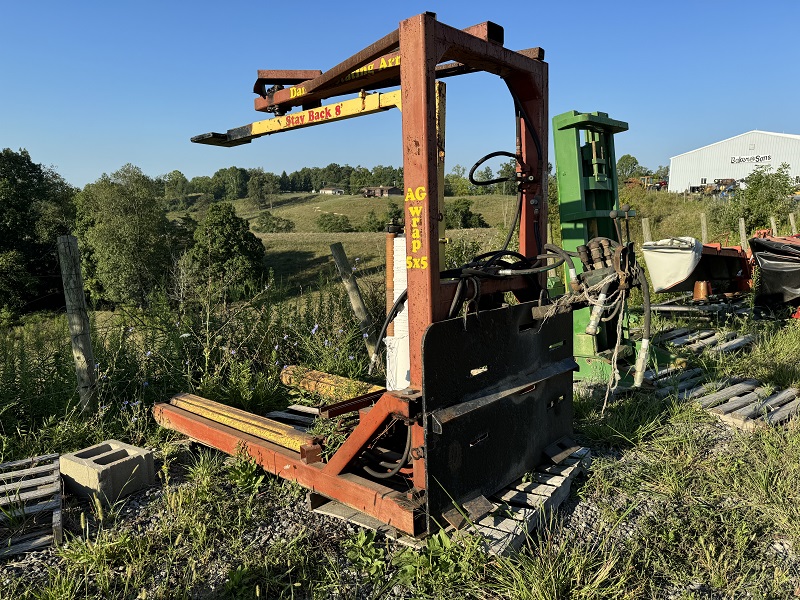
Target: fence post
792,223
646,230
774,225
743,235
356,301
78,320
703,228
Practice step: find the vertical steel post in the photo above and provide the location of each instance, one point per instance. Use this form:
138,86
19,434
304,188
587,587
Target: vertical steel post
418,59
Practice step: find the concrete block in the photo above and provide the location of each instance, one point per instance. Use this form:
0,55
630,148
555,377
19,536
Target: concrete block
109,469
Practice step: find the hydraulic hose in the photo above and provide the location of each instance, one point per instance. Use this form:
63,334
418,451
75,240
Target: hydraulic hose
641,359
396,468
597,310
393,312
574,284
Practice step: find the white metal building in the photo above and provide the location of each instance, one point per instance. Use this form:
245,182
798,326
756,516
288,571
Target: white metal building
734,158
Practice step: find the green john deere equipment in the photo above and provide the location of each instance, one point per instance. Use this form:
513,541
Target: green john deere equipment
591,228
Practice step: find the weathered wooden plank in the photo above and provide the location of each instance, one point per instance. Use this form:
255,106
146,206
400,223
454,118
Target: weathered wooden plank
43,492
505,530
715,339
670,334
733,345
27,545
692,337
18,487
725,394
30,461
58,528
705,388
12,475
738,402
652,375
30,509
766,405
663,392
784,413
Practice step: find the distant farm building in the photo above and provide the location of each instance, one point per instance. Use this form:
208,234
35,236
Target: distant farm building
734,159
381,191
331,191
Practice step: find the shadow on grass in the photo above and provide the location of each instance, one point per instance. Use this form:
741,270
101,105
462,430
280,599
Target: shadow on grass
298,269
628,420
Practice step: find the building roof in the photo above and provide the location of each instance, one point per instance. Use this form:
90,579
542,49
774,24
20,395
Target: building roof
785,135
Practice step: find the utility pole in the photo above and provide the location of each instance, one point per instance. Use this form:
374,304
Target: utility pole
78,320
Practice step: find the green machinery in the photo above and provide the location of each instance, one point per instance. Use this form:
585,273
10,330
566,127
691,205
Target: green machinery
588,199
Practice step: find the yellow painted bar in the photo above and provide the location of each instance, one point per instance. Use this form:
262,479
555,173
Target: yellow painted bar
281,434
366,104
329,386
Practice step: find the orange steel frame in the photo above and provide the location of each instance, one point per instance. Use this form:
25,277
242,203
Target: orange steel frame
414,56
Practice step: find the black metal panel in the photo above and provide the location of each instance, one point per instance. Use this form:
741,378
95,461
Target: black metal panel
495,394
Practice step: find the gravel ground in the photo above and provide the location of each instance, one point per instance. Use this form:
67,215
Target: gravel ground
284,516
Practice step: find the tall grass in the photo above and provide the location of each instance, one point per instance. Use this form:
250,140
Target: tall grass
232,353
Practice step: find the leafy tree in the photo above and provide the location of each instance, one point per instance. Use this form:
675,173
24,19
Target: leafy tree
266,222
225,252
262,187
458,215
202,184
230,183
284,183
175,185
662,172
627,167
456,182
764,195
360,177
509,171
127,240
394,214
372,223
485,174
36,206
333,223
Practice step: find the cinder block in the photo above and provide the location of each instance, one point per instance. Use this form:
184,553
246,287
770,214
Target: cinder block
109,469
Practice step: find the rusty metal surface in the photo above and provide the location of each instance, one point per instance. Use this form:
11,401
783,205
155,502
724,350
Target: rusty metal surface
380,501
281,77
281,434
296,95
419,54
365,104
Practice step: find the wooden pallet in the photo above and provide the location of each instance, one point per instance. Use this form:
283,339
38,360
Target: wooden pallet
513,513
743,403
30,504
698,340
526,505
749,405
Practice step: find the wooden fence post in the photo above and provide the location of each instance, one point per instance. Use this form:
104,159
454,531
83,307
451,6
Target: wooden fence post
792,223
703,228
78,320
774,225
743,235
646,230
356,301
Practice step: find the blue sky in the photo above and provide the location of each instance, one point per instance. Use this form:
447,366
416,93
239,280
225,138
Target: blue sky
88,86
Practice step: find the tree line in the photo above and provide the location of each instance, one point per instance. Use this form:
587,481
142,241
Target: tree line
234,183
130,250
